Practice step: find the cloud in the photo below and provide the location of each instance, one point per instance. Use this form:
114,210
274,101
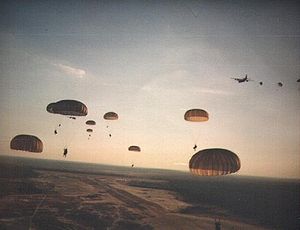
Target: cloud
80,73
216,92
173,80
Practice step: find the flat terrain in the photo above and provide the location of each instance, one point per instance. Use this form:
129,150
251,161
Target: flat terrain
42,199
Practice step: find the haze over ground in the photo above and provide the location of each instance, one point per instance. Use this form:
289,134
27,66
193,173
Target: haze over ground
150,62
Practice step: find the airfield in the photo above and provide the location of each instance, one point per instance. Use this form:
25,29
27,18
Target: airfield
62,199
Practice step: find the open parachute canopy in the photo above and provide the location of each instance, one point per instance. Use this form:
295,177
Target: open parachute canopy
89,130
27,143
90,122
111,116
214,162
68,107
196,115
134,148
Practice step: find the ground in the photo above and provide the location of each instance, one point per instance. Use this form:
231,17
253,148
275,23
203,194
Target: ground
72,200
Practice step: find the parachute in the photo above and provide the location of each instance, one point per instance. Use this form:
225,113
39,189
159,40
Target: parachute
214,162
90,122
111,116
27,143
196,115
68,107
134,148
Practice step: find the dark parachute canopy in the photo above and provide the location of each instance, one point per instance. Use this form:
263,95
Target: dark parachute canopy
27,143
111,116
214,162
196,115
134,148
68,107
89,130
90,122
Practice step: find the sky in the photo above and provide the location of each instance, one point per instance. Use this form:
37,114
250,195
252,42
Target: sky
150,61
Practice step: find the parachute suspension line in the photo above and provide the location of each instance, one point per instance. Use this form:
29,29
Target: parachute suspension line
108,128
70,109
110,117
196,116
60,131
196,137
72,130
200,134
69,132
65,133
